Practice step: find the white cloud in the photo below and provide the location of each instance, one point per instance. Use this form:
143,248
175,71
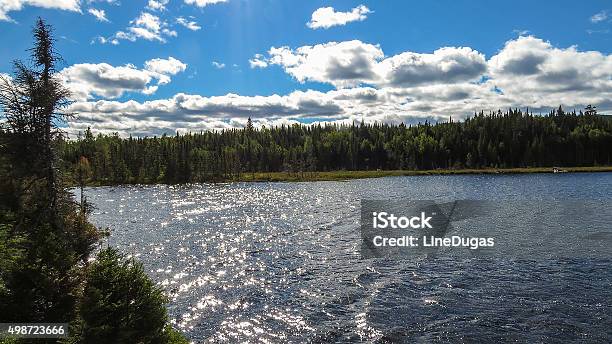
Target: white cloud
352,63
157,5
146,26
343,64
258,61
99,14
16,5
326,17
204,3
193,112
169,66
218,65
88,80
148,21
188,112
104,40
169,33
191,25
407,87
535,73
599,17
447,65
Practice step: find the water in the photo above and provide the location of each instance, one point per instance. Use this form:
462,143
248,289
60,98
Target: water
279,262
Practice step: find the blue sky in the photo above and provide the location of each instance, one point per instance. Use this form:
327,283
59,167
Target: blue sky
233,32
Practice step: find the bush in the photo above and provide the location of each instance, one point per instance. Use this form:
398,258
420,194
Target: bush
122,305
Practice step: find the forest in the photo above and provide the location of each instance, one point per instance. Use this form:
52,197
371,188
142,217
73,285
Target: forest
514,138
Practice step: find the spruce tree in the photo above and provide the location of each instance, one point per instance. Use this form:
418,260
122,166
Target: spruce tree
39,210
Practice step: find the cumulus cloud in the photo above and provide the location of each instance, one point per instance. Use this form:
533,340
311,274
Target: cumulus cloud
534,72
169,66
352,63
146,26
187,112
341,64
258,61
522,56
204,3
148,21
99,14
370,86
218,65
16,5
190,24
157,5
599,17
88,80
326,17
444,66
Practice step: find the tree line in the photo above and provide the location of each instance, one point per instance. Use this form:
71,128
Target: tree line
49,269
514,138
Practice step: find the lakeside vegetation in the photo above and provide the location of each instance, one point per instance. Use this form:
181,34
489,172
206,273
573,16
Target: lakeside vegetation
49,269
511,142
346,175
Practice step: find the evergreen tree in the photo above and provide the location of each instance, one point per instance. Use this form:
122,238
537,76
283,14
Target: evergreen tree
45,238
121,305
37,207
497,140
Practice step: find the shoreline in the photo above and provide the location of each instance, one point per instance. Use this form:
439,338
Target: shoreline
348,175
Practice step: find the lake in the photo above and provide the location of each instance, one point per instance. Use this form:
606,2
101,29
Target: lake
280,262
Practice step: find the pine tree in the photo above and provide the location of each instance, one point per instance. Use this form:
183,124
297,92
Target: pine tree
249,126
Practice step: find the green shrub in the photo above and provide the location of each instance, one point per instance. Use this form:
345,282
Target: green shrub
122,305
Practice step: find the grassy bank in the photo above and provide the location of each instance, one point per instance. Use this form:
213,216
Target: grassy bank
345,175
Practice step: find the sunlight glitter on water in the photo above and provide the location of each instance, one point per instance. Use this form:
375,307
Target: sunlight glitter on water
280,262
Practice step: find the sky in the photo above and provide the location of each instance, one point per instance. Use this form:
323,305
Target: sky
147,67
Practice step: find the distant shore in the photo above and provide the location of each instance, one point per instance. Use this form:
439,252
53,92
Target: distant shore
347,175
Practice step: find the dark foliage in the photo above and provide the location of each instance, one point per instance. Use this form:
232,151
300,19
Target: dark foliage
38,215
45,238
499,140
121,305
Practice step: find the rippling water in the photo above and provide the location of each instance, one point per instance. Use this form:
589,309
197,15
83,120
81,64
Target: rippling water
279,262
